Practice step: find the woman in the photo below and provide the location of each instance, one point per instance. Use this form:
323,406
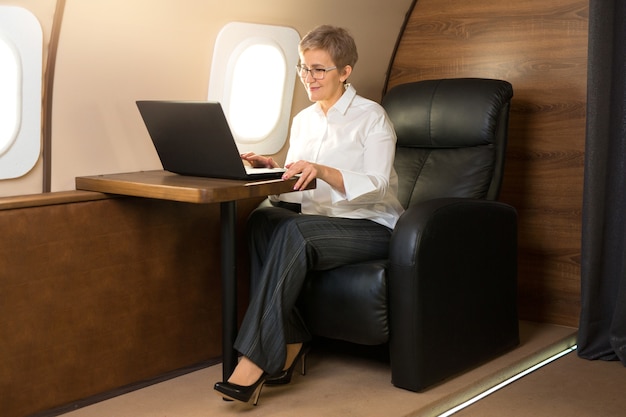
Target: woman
347,143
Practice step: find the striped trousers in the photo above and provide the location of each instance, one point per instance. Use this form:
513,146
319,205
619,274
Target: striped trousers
284,245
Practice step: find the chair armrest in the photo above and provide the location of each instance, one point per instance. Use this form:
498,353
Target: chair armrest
450,218
452,288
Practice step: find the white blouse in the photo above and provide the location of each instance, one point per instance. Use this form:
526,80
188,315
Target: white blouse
357,138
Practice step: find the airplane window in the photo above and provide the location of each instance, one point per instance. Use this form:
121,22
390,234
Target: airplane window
255,106
20,91
253,77
10,100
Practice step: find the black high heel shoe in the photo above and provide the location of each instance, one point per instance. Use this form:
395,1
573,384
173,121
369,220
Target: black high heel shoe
284,377
241,393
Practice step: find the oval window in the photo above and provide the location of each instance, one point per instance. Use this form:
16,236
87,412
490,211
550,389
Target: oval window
253,76
258,81
10,102
21,46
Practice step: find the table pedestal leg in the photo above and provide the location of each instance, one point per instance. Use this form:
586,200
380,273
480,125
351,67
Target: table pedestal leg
229,286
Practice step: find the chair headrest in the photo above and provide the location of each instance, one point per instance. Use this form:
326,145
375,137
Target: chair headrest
447,113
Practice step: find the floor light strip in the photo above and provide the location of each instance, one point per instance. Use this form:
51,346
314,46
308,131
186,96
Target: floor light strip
507,382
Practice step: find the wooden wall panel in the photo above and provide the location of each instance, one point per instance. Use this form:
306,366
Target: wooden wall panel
99,295
540,46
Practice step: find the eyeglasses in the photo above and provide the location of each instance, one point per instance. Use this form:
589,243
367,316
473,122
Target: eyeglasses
316,73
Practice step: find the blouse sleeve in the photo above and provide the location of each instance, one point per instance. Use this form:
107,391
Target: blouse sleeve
371,184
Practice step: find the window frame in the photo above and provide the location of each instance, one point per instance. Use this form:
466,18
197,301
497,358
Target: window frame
232,41
21,30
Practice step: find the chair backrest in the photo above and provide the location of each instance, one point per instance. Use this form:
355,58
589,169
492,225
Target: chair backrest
452,136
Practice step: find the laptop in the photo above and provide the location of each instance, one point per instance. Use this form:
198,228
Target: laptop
193,138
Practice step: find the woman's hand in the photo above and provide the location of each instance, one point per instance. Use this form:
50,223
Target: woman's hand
258,161
308,171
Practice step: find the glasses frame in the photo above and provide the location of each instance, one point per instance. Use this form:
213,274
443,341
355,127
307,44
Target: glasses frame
321,72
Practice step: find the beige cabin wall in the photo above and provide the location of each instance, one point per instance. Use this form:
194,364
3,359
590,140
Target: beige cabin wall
114,52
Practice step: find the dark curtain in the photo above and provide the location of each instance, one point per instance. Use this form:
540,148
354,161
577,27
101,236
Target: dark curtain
602,331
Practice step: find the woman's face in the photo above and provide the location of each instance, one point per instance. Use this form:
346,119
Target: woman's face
328,90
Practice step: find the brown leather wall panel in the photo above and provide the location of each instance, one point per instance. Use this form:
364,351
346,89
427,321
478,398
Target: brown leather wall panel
540,46
101,294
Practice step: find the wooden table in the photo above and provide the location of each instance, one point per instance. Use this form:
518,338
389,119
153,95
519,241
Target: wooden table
168,186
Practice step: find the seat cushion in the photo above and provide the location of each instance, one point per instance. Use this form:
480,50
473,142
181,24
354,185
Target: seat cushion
348,303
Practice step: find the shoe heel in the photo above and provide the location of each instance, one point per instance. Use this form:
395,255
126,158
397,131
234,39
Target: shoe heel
257,394
303,364
285,376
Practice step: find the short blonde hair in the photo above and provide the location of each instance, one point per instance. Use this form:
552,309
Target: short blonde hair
335,40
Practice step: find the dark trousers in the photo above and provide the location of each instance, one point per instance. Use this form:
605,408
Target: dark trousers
284,245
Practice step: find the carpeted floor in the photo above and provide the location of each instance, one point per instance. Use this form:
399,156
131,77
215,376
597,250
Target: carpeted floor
342,384
570,386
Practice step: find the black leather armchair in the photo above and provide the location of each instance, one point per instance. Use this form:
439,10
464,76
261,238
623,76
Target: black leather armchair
445,300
